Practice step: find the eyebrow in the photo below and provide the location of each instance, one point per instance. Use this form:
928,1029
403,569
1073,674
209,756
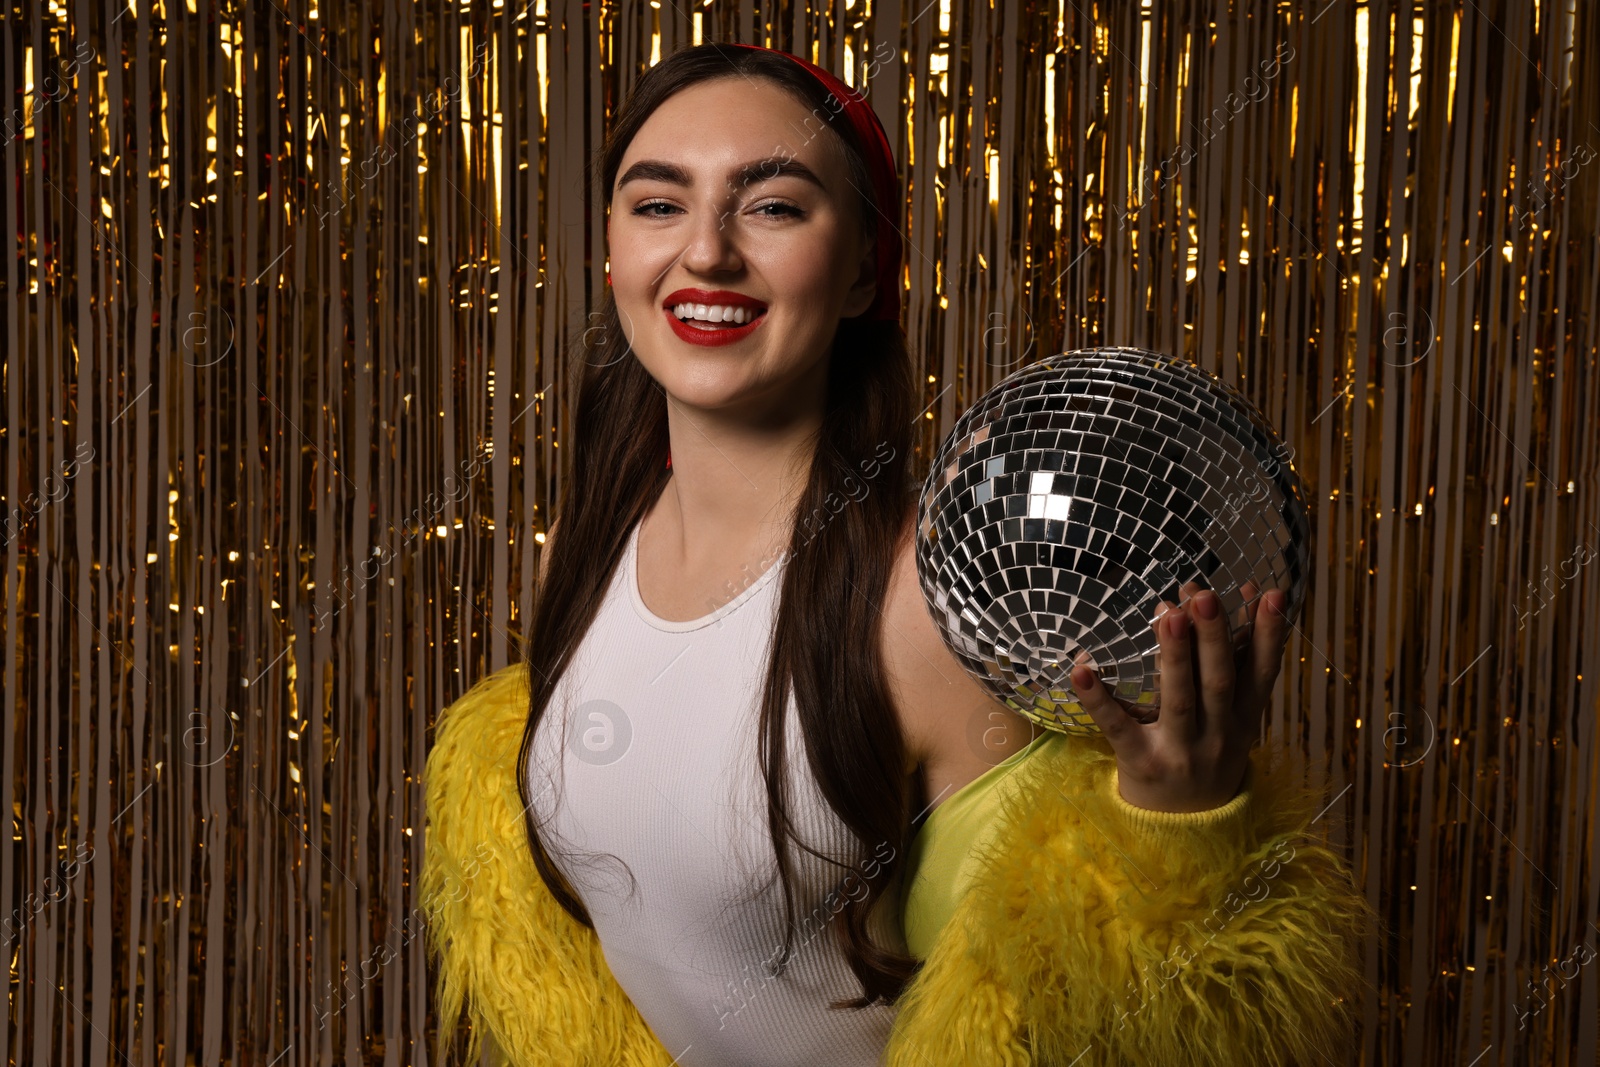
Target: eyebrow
744,174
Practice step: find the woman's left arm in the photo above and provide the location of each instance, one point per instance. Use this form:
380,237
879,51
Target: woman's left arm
1161,895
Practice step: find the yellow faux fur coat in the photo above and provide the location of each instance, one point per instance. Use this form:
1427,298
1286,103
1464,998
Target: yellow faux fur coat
1095,934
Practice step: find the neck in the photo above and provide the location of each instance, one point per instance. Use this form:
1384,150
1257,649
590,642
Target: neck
733,487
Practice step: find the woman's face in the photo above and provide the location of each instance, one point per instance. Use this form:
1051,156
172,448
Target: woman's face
731,194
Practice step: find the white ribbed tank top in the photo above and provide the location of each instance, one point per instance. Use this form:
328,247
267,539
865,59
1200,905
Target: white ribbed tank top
648,752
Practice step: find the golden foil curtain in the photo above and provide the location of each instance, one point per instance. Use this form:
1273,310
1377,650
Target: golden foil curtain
286,298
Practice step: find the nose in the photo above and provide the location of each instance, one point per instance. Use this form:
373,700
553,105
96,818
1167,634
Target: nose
713,243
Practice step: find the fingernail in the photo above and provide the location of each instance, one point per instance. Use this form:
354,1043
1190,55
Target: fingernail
1081,678
1275,602
1206,605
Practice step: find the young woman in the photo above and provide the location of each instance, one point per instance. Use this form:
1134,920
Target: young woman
740,805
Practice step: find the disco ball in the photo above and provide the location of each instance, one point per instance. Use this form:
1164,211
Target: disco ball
1079,493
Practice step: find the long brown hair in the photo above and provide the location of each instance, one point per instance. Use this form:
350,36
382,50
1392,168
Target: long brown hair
848,523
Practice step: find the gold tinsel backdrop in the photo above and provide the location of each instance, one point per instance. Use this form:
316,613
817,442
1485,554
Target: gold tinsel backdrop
288,292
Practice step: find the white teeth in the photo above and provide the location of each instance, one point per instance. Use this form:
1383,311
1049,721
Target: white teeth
714,313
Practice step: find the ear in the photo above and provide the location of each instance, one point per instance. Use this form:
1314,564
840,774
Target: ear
864,290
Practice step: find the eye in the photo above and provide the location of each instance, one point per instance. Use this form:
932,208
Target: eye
644,209
784,210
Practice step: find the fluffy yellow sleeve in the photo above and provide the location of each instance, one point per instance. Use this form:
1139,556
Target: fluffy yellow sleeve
530,977
1098,933
1094,933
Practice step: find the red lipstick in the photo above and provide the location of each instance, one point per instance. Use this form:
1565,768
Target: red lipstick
714,336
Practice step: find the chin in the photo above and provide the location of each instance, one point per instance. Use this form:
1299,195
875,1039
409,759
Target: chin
710,391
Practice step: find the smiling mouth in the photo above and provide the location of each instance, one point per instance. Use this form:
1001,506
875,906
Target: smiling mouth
713,327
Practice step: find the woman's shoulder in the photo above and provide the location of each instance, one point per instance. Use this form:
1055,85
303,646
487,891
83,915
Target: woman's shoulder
482,728
496,691
903,631
951,724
